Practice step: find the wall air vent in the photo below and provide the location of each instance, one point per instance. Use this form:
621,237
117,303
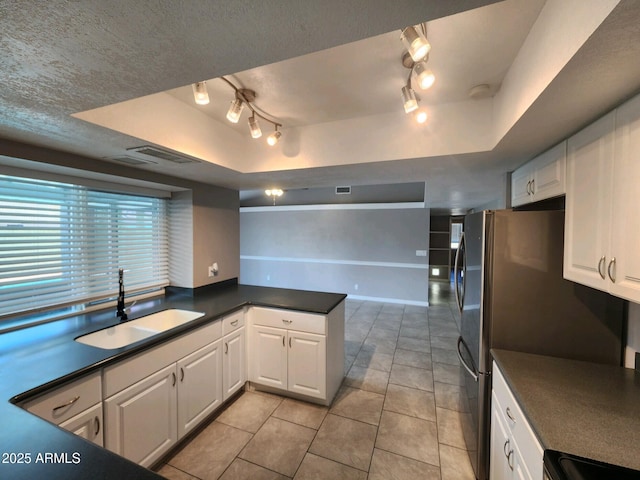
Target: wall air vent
165,155
343,190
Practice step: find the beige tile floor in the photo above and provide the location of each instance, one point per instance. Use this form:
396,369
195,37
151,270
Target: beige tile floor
397,415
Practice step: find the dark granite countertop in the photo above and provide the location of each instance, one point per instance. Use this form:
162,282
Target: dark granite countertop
582,408
37,358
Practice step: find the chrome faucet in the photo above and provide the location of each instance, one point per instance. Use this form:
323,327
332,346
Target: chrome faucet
120,310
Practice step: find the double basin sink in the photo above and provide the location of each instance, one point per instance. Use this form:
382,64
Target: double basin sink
133,331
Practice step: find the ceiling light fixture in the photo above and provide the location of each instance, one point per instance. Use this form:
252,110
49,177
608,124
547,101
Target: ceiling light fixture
200,93
246,97
415,59
274,193
416,42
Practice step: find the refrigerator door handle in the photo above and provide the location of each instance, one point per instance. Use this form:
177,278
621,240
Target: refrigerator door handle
459,297
472,370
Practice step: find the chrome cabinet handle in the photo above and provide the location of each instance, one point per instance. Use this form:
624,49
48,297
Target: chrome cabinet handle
226,348
283,340
508,454
505,447
612,263
510,415
64,405
288,322
181,374
529,187
173,374
97,425
533,186
289,342
235,322
601,265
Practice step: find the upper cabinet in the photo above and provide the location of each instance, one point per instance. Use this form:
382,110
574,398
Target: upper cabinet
541,178
602,223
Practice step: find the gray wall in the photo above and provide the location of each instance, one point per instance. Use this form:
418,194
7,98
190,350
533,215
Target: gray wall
335,249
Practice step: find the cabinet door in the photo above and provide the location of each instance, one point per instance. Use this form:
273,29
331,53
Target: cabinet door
269,356
234,375
501,445
140,421
87,424
626,199
307,364
199,386
588,204
549,173
521,185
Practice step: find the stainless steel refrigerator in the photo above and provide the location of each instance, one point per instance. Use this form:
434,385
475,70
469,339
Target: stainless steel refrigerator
511,294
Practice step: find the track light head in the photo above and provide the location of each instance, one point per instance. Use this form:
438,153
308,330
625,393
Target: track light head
233,115
409,99
256,132
425,77
415,43
200,94
274,137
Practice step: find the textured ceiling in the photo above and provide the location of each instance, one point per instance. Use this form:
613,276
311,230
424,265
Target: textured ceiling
63,57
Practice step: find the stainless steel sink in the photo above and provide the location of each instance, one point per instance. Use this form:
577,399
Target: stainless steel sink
135,330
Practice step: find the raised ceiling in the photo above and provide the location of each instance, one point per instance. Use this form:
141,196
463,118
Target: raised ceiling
331,73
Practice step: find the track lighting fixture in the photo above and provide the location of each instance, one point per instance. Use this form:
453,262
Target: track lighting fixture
246,97
274,137
415,59
200,93
415,42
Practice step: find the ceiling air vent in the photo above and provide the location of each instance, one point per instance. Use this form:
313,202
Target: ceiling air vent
162,154
131,161
343,190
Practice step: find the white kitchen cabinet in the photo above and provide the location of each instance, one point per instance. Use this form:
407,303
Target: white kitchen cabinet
541,178
199,386
234,358
602,224
157,396
515,452
76,407
297,353
141,420
87,424
625,228
588,203
268,357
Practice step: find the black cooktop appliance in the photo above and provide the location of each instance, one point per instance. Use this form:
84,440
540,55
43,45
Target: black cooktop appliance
562,466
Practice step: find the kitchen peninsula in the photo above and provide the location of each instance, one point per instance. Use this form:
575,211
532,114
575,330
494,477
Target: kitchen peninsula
39,358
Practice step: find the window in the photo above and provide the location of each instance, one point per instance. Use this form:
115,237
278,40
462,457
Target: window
62,244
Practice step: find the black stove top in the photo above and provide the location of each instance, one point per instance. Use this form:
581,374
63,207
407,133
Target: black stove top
562,466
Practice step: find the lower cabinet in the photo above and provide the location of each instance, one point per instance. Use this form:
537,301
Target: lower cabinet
199,386
148,411
515,450
296,352
234,370
141,420
76,407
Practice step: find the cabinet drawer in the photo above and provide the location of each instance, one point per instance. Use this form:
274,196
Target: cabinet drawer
291,320
232,322
65,402
517,424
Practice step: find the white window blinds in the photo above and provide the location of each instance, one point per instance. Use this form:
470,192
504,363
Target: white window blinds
63,244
